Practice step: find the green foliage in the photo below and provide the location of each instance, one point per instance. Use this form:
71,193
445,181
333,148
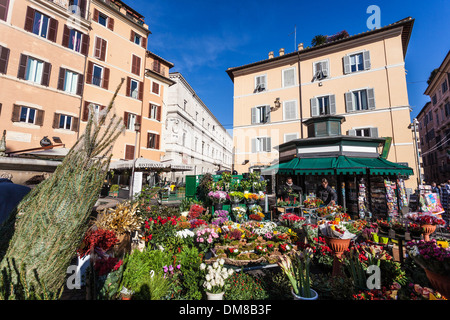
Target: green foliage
204,187
189,258
114,187
18,288
277,285
48,225
242,286
108,286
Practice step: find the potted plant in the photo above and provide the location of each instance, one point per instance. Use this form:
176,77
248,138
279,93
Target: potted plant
215,276
126,294
399,228
114,191
297,270
428,223
239,214
218,198
435,260
236,196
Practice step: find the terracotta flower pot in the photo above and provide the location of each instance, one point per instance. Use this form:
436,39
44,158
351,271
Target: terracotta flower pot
439,282
338,246
427,230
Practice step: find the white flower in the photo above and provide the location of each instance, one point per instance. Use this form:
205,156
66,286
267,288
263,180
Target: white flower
221,261
208,277
208,286
202,266
185,213
213,282
215,265
230,271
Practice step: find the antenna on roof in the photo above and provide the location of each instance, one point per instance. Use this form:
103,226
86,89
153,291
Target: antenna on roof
295,37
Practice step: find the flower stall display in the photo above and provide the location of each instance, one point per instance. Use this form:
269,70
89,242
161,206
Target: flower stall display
291,220
435,260
312,203
218,198
215,277
239,214
236,196
327,211
255,213
429,222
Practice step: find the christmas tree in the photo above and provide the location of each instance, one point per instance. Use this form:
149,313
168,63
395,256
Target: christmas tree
43,233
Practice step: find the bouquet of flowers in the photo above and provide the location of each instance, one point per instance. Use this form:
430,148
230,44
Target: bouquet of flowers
239,214
291,220
195,211
218,196
329,210
221,217
429,255
251,197
313,203
426,219
204,237
256,213
415,229
215,276
236,196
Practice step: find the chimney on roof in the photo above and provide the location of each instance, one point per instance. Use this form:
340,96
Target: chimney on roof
282,52
270,54
300,46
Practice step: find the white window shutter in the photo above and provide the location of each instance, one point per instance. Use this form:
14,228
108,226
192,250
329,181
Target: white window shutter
267,114
352,132
288,77
349,102
371,98
332,99
253,115
254,145
373,132
366,56
263,82
268,144
314,107
347,67
324,68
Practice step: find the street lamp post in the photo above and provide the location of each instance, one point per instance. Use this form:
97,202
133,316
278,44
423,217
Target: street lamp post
137,128
415,123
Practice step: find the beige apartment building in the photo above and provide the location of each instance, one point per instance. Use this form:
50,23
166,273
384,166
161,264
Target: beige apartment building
61,60
360,77
118,46
41,71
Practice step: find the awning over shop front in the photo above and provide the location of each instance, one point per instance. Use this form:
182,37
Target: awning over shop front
338,165
141,163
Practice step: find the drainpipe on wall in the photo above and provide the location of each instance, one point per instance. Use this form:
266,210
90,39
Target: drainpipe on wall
300,91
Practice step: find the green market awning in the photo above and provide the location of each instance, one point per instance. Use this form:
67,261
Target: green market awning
339,165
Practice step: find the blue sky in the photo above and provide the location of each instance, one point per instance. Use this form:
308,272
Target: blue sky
204,38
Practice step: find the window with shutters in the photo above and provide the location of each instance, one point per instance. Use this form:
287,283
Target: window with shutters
290,110
323,105
27,115
364,132
71,82
35,69
155,88
65,122
40,24
357,61
97,73
260,114
360,100
100,48
4,5
4,58
153,140
288,77
131,121
134,89
75,37
321,70
102,19
129,152
155,112
137,38
260,83
261,144
135,65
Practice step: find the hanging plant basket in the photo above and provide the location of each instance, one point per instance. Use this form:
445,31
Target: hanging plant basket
427,230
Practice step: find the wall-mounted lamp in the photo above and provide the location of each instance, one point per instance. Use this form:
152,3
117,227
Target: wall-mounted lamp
277,104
